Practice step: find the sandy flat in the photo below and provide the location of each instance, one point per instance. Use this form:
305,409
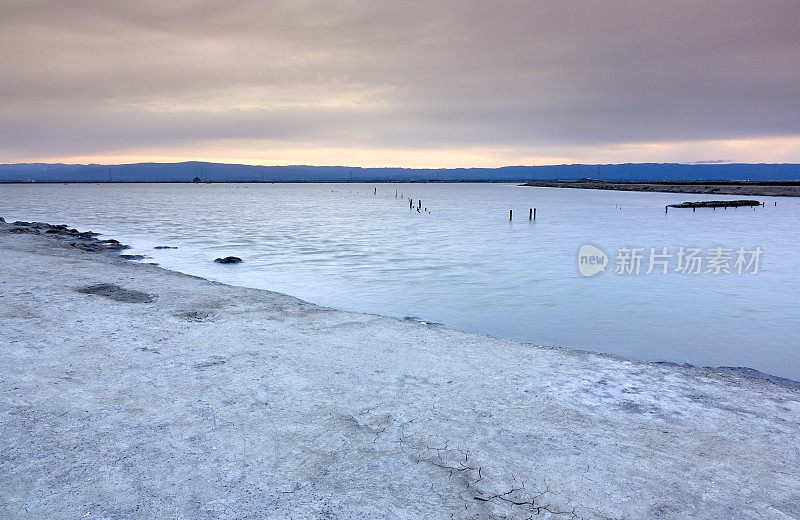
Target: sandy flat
129,391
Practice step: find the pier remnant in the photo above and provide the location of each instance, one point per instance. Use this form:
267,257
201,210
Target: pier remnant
716,204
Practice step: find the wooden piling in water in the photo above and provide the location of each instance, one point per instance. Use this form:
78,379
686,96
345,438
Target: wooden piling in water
534,213
410,203
666,209
509,214
530,214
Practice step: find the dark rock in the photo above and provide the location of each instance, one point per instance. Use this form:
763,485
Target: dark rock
85,241
229,260
86,246
112,245
165,247
133,257
2,219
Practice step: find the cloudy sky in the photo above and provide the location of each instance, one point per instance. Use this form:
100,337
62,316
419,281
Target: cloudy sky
400,83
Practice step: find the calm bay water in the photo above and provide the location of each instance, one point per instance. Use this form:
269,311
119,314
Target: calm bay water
465,265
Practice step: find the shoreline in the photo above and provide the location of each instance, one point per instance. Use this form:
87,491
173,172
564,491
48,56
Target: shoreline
754,188
87,241
128,390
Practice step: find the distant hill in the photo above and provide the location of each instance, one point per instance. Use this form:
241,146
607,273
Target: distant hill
216,172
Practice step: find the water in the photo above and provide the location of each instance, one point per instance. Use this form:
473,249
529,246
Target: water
464,264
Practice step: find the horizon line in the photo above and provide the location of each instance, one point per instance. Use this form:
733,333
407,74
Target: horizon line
692,163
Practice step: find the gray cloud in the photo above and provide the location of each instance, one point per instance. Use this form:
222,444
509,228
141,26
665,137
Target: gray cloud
90,77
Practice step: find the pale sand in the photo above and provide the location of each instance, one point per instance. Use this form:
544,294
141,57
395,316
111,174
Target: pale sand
213,401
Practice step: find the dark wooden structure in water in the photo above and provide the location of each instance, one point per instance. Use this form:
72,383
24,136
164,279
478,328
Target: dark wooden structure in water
717,204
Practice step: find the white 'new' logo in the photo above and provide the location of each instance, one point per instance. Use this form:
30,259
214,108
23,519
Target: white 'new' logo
591,260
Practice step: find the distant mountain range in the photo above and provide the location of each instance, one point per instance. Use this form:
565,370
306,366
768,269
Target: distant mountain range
217,172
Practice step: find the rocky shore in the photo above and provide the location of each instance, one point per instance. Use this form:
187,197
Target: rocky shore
85,241
131,391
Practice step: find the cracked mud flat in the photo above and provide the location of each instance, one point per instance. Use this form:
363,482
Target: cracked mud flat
211,401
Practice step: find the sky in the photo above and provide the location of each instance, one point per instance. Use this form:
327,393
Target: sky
400,83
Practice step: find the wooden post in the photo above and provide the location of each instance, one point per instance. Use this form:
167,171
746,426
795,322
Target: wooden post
375,192
410,203
530,214
419,204
509,214
666,209
776,202
534,213
694,209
